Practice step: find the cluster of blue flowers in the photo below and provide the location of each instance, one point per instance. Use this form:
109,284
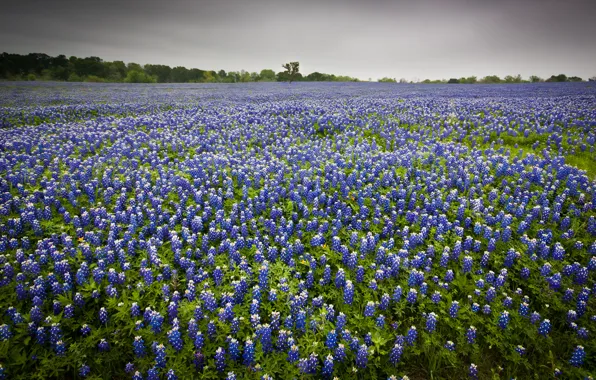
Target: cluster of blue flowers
316,230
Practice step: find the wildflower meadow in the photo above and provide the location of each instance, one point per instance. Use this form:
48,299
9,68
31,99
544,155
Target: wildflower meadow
311,230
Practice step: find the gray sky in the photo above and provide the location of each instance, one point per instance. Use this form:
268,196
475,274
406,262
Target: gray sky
368,38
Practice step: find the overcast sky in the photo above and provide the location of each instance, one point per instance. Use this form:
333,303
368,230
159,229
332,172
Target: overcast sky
414,39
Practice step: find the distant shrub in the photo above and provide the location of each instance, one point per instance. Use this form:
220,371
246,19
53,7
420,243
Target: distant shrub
74,78
135,76
94,79
31,77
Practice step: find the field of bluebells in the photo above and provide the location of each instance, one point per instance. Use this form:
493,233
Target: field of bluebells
275,231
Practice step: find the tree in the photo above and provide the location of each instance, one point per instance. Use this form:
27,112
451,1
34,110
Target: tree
209,77
292,70
512,79
179,74
535,79
244,76
267,75
134,66
85,67
453,81
161,72
135,76
387,80
491,79
575,79
557,78
233,77
196,75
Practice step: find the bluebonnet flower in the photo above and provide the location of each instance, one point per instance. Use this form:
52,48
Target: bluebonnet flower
467,264
220,359
395,354
369,309
160,356
103,345
170,375
397,293
84,370
60,348
578,356
486,309
504,320
103,315
349,293
436,297
454,309
328,367
520,349
139,347
175,339
331,341
309,365
411,336
471,335
153,373
473,371
544,327
85,330
249,353
362,356
450,345
431,322
340,353
5,332
582,333
129,368
293,354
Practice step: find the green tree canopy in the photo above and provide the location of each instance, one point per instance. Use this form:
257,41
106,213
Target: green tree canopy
267,75
135,76
292,70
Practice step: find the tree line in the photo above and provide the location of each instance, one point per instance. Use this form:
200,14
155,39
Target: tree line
39,66
492,79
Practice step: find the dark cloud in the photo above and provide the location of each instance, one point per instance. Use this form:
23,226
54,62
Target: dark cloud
374,38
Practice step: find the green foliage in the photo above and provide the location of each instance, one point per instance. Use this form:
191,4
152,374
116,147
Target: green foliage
31,77
266,75
73,77
320,77
94,79
557,78
292,70
138,77
468,80
491,79
513,79
75,69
